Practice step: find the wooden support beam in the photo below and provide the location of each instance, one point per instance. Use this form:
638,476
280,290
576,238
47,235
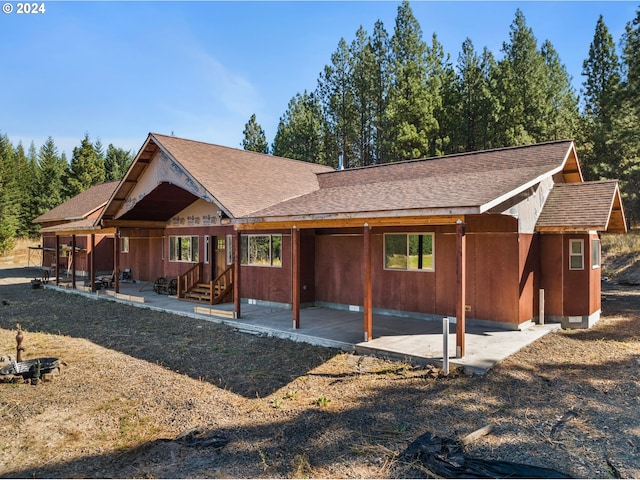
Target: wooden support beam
116,262
368,295
57,260
73,261
461,280
236,275
295,276
92,266
133,223
343,222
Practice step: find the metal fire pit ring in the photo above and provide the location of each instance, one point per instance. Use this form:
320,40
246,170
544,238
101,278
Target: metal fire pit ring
28,368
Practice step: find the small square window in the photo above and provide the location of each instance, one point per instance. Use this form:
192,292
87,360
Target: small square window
576,254
124,244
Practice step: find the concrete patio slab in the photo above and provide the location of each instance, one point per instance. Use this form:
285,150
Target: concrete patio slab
413,340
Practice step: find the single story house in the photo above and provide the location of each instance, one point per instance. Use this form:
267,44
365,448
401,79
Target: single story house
487,237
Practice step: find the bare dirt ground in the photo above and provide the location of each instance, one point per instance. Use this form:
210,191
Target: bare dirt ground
135,380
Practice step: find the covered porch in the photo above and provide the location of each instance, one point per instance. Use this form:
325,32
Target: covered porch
412,339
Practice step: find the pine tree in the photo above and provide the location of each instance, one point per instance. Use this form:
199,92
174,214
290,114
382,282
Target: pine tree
473,90
521,76
335,91
381,78
49,184
9,201
86,169
25,168
300,132
627,120
363,84
411,108
116,163
254,138
562,117
601,95
441,83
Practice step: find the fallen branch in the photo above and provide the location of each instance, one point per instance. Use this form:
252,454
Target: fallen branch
473,436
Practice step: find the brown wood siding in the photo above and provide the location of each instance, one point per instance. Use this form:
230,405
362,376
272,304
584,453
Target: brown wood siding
493,267
529,274
144,259
412,291
553,264
307,266
576,282
595,278
103,259
270,283
338,269
568,292
492,277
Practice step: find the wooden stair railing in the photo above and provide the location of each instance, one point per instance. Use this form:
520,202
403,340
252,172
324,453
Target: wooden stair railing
189,279
221,286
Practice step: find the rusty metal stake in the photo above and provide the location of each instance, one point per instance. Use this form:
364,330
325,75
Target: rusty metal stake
19,347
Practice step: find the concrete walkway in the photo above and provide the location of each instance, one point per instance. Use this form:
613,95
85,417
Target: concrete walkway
414,340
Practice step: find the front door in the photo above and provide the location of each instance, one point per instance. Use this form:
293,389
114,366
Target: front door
219,255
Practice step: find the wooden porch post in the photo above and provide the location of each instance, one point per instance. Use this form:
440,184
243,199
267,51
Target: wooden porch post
92,271
116,261
368,324
73,261
236,275
461,256
57,260
295,276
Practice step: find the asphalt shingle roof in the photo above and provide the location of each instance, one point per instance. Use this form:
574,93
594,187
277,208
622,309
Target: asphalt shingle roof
242,181
80,206
582,206
470,181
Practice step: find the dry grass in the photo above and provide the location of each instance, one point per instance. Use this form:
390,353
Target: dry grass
19,256
135,379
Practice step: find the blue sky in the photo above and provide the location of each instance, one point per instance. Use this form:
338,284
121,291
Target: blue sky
119,70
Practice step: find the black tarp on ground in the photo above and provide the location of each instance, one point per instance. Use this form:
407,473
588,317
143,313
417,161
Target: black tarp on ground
445,458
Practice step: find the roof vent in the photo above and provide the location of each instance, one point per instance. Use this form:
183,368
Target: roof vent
340,160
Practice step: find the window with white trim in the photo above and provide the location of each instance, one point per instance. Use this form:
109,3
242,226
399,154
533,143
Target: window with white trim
576,254
183,249
595,253
206,249
409,251
261,250
124,244
229,249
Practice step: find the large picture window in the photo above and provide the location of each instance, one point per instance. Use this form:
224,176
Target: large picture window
408,251
261,250
576,254
183,249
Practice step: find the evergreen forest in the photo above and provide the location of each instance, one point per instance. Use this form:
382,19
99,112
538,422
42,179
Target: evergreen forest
395,95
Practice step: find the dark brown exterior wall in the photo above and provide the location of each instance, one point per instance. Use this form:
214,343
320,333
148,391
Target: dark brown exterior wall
568,292
338,268
553,265
272,284
529,275
595,280
103,257
493,271
145,257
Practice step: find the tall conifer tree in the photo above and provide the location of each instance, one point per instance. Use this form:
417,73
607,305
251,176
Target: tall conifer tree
601,95
411,109
254,137
86,169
